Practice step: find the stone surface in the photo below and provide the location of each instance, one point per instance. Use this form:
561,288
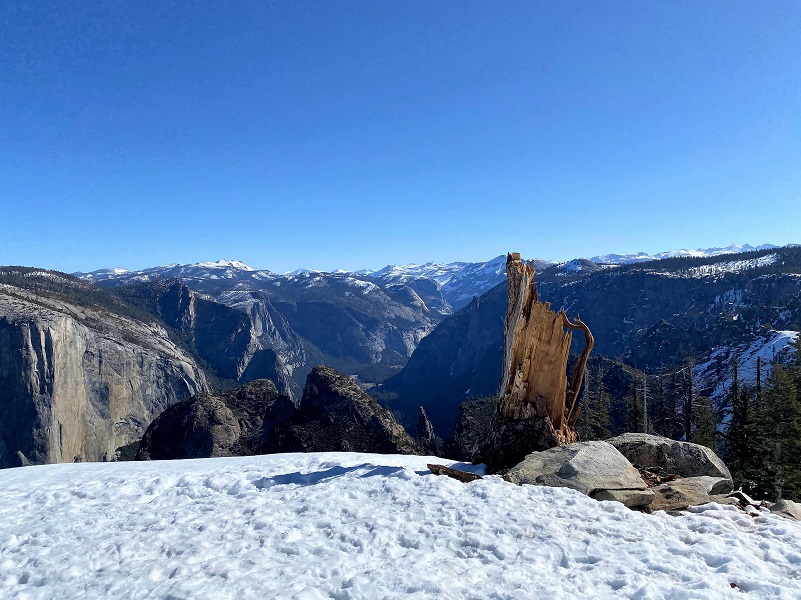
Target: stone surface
630,498
235,423
588,467
690,491
474,416
682,458
78,380
429,442
335,414
787,509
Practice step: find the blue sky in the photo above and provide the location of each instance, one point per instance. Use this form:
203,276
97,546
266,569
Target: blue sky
353,134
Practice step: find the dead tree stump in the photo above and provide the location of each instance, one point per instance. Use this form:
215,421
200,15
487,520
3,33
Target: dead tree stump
537,407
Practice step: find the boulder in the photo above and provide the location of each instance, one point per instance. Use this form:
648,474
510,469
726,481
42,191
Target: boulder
592,468
787,509
682,458
690,491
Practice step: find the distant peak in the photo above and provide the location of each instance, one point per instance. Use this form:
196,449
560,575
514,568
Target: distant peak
225,264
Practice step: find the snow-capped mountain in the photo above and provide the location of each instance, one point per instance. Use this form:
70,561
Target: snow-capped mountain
456,282
635,257
221,269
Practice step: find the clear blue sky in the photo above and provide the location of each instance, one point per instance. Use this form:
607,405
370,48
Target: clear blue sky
350,134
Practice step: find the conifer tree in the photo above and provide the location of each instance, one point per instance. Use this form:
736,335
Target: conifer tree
594,420
778,439
634,411
741,441
706,423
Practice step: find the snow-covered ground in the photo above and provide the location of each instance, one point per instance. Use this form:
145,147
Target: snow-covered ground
347,525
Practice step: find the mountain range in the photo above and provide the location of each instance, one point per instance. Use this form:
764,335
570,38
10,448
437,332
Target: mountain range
87,361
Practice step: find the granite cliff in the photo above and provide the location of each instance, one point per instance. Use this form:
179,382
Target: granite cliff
80,374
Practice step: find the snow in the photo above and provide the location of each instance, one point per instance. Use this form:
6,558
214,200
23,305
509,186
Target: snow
345,525
772,346
635,257
222,264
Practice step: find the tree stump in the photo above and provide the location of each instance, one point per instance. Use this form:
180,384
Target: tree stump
537,408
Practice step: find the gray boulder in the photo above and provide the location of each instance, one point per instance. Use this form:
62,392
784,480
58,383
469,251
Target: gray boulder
682,458
690,491
596,469
787,509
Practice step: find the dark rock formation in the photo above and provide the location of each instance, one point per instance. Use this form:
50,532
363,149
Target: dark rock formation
334,414
471,426
235,423
429,442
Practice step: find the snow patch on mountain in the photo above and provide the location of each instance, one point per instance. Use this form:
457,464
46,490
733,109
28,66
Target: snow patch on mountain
635,257
721,268
774,346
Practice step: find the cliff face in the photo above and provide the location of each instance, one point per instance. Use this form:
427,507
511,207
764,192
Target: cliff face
77,381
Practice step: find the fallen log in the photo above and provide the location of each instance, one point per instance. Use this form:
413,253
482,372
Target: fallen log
462,476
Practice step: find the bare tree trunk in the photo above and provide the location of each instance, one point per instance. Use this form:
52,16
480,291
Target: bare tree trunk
537,408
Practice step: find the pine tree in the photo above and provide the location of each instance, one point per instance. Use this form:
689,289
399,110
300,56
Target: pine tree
706,423
594,420
778,441
740,447
634,412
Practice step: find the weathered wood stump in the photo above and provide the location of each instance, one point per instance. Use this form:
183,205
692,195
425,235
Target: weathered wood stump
537,407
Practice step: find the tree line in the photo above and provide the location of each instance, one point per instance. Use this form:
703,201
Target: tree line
755,427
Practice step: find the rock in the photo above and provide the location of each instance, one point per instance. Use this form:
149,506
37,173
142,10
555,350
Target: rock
589,467
682,458
335,414
472,423
787,509
631,498
235,423
430,443
79,378
690,491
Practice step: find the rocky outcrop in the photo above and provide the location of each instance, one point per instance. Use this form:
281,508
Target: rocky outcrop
596,469
334,414
227,341
471,426
428,441
682,458
235,423
77,379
